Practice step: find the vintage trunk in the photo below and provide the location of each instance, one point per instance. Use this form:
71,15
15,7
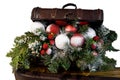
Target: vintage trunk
94,17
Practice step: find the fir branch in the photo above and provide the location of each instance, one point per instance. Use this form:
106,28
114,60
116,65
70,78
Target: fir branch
109,64
19,53
82,28
112,36
111,48
22,57
53,67
65,63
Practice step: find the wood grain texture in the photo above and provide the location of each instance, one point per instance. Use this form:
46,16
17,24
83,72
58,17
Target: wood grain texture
107,75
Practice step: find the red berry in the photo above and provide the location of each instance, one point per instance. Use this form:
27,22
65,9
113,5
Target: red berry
45,46
96,38
93,46
83,23
52,42
51,36
42,52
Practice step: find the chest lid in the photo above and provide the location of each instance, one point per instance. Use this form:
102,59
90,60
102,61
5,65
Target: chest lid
94,17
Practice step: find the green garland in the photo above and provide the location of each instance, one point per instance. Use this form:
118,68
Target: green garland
24,57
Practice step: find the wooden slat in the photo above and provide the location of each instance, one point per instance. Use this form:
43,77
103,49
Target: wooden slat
114,73
108,75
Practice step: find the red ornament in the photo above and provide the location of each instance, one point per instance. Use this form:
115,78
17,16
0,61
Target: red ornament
83,23
96,38
42,52
53,28
52,42
93,46
45,46
61,22
70,28
51,36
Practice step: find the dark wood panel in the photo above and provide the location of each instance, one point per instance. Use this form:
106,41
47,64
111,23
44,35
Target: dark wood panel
105,75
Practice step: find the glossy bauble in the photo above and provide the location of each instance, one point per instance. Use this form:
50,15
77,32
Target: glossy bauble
94,46
52,42
42,52
77,40
49,51
53,28
50,36
45,46
90,33
36,27
62,41
70,28
96,38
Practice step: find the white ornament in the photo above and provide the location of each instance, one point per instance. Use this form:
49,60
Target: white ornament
90,33
77,40
62,41
49,51
36,27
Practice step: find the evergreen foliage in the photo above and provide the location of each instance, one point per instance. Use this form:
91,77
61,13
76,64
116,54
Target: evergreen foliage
27,47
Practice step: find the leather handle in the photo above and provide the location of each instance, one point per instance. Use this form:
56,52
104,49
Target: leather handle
69,4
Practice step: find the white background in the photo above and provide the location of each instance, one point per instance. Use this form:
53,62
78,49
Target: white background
15,20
